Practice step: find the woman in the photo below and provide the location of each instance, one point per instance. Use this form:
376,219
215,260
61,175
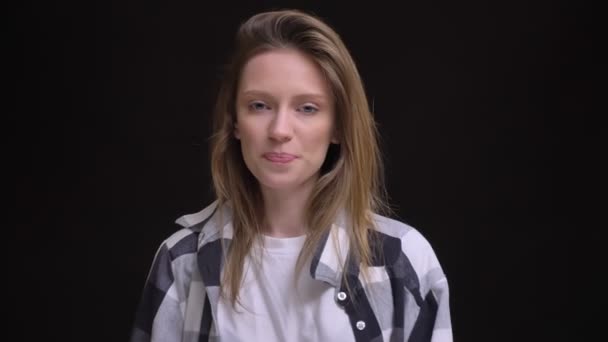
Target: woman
294,248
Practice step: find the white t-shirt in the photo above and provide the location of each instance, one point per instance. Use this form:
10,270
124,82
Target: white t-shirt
274,308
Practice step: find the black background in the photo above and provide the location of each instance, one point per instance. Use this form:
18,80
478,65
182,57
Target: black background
112,112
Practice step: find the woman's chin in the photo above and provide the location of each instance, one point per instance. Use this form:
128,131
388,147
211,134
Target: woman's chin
278,184
281,183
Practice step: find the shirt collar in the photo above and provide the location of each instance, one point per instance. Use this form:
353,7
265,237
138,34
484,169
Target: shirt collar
327,260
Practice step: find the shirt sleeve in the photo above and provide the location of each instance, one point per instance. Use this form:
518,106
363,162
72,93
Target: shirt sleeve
442,328
432,321
158,316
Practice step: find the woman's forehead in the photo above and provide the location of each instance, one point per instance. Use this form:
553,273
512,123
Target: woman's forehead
283,71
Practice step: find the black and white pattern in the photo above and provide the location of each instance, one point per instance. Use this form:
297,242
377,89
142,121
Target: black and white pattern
404,297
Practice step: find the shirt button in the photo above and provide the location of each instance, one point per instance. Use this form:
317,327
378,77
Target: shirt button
360,325
341,296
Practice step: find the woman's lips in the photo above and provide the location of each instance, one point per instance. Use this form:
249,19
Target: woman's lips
282,158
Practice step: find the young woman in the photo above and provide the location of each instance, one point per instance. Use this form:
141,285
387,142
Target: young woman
295,247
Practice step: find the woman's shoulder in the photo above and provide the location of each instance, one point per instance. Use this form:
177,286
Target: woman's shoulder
194,229
198,220
398,229
198,227
409,241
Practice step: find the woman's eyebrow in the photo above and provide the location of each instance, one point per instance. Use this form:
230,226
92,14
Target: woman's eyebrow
253,92
311,96
303,96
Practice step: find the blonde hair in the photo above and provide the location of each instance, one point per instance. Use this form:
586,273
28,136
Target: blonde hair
351,178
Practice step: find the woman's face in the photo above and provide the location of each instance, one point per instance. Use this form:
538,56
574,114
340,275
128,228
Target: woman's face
285,118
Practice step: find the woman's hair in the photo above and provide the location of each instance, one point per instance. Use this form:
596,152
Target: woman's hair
351,178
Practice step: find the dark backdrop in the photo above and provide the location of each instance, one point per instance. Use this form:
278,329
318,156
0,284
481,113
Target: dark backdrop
112,106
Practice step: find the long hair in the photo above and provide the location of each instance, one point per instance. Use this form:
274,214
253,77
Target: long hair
351,178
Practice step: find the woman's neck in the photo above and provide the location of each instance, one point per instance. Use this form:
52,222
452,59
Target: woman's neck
285,211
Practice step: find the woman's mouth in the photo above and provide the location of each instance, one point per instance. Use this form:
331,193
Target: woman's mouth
279,157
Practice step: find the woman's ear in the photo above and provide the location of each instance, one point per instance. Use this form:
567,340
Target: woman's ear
334,138
237,135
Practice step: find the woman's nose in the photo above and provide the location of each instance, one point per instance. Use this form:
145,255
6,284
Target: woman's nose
280,128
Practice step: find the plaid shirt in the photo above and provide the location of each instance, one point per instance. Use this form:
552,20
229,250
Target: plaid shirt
403,298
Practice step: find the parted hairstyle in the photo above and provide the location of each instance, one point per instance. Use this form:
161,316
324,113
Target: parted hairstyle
351,177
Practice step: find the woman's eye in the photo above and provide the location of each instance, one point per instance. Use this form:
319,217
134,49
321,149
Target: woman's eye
308,109
257,106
